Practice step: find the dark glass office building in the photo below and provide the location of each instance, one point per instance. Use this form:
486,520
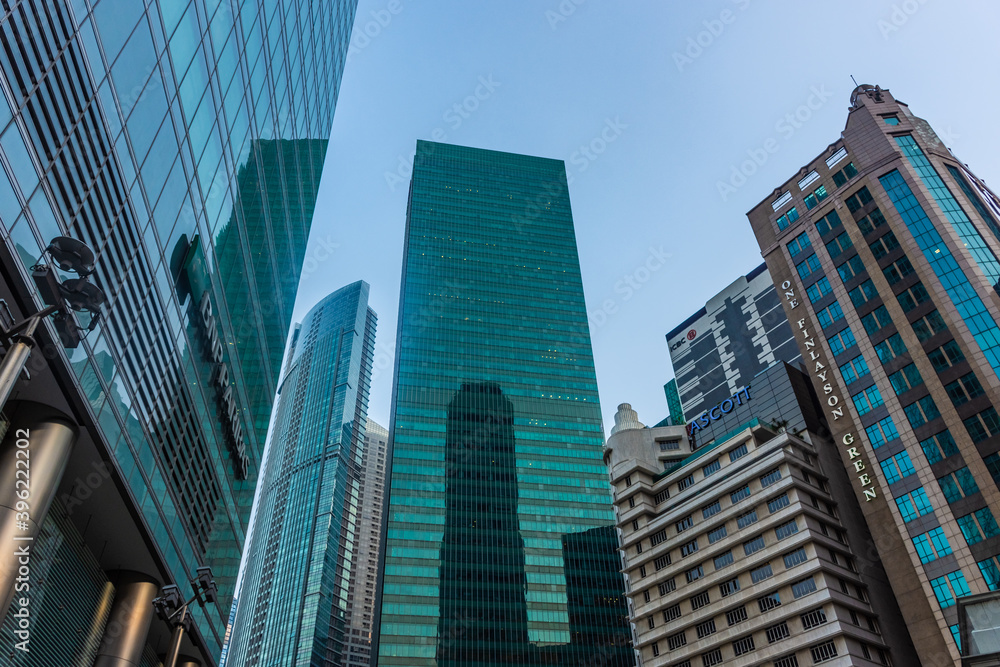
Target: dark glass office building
499,546
294,603
183,142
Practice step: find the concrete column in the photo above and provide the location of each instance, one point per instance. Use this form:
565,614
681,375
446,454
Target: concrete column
128,623
33,457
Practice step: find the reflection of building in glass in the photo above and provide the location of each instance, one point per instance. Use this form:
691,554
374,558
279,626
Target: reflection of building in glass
483,609
294,599
492,300
149,130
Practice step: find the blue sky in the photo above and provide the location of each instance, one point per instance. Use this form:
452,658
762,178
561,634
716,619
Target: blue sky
651,104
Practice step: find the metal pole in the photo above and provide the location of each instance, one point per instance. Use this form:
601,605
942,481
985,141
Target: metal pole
175,642
17,355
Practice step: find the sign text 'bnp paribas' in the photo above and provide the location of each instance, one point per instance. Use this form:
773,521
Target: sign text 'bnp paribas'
224,388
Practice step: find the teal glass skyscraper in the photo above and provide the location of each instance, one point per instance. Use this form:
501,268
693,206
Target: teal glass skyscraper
295,604
182,141
498,547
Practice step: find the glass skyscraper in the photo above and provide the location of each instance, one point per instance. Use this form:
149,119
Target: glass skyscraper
294,603
500,546
183,142
885,254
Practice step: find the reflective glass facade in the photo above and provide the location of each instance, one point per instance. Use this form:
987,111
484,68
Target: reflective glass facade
183,142
294,602
499,547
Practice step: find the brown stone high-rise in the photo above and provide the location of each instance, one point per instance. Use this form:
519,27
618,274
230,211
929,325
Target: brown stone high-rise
884,250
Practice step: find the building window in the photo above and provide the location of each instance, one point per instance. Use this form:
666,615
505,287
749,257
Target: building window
711,658
661,562
737,615
777,632
769,602
658,537
939,446
739,495
851,268
787,661
991,572
685,483
929,325
803,588
881,432
807,266
743,645
778,503
905,379
723,560
716,535
813,199
897,467
677,641
983,425
858,199
829,315
711,510
694,574
818,289
921,411
867,400
847,173
876,320
863,293
746,519
705,629
828,223
812,619
913,297
700,600
839,245
672,613
786,529
891,119
661,496
796,557
651,622
932,545
689,548
787,219
799,244
642,571
656,649
949,587
958,485
964,389
946,356
883,245
737,453
684,524
978,526
770,477
823,652
871,222
854,369
914,504
844,340
667,586
898,270
711,468
890,348
669,445
754,545
761,573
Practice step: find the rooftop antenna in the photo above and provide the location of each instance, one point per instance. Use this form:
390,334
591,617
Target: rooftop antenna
855,81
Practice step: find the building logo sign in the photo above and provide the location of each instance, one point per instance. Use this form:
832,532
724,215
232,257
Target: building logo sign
223,388
692,334
724,408
830,396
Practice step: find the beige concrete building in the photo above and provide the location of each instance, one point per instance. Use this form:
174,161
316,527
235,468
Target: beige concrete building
739,553
884,249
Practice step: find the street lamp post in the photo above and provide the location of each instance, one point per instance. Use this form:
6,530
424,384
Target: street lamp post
171,609
60,297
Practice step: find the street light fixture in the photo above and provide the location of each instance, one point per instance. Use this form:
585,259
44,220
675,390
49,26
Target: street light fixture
76,294
171,608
